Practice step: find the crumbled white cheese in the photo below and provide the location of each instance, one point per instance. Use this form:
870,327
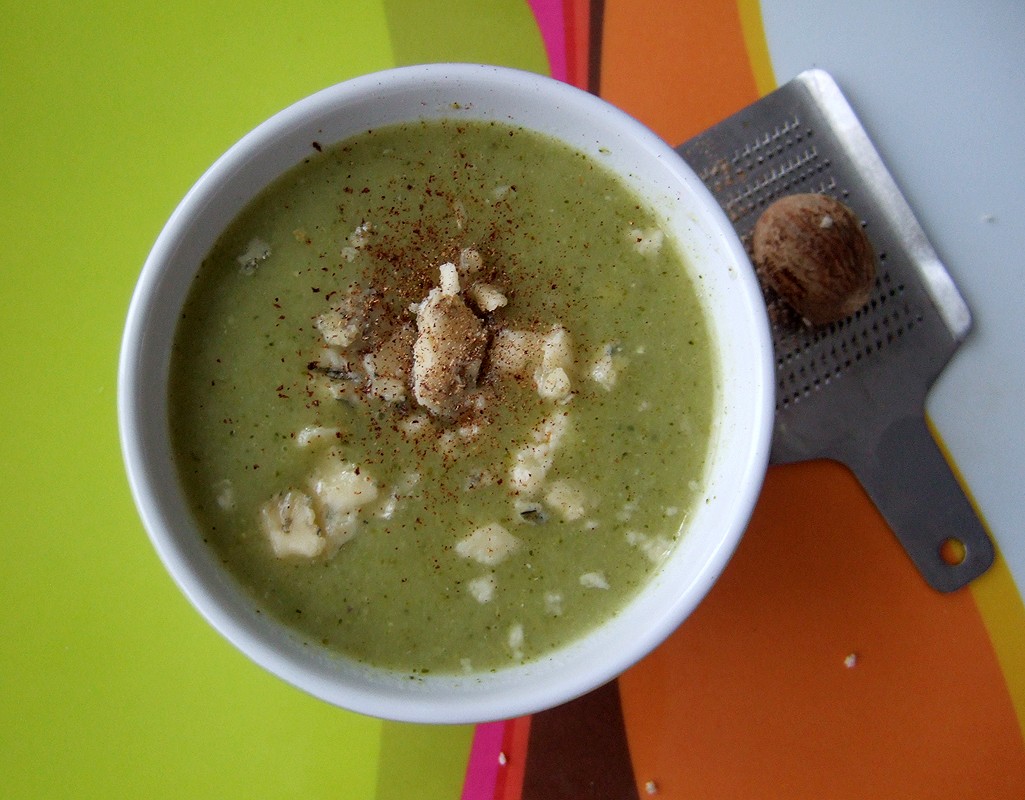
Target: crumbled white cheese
459,211
482,589
357,241
337,329
409,480
605,368
547,358
449,279
826,222
486,297
552,375
478,479
315,434
448,351
647,242
389,507
553,603
594,580
515,640
532,462
324,387
567,499
334,360
256,251
469,261
656,548
391,390
554,384
512,351
489,545
226,495
342,486
341,489
290,523
361,235
627,511
557,349
387,388
455,442
477,400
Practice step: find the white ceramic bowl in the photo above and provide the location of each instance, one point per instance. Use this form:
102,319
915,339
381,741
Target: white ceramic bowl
737,313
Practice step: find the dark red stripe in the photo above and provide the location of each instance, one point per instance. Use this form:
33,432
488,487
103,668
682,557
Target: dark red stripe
594,46
579,751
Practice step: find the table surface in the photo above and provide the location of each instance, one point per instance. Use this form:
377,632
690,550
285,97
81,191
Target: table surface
819,666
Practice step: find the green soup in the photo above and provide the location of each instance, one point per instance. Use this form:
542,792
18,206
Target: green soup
530,502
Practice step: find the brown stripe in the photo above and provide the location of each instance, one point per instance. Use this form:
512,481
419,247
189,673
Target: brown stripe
594,46
578,751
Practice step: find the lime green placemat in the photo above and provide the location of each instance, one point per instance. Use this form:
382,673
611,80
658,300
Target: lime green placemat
112,685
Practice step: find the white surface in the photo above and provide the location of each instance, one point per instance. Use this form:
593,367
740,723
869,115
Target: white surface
940,88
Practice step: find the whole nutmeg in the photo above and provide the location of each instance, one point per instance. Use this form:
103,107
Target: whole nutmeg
812,251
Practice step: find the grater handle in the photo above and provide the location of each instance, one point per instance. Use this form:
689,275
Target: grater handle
912,485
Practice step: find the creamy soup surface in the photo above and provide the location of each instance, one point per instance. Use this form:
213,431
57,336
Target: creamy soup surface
441,397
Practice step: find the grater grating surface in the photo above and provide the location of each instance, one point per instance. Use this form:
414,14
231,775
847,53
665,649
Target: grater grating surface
855,391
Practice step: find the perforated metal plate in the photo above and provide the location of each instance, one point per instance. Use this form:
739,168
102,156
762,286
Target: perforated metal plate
855,391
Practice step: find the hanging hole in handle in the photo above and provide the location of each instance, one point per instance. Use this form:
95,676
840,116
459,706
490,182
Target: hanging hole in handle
952,552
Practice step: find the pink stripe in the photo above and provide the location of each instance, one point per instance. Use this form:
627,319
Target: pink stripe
550,19
482,768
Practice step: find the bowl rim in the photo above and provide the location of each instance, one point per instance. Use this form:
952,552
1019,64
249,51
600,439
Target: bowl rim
154,485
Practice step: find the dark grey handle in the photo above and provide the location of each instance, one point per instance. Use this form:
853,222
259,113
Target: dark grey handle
912,485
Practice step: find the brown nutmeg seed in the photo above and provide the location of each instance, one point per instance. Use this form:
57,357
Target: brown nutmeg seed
812,251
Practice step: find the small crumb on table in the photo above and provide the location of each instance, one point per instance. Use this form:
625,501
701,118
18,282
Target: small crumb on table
851,660
651,787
